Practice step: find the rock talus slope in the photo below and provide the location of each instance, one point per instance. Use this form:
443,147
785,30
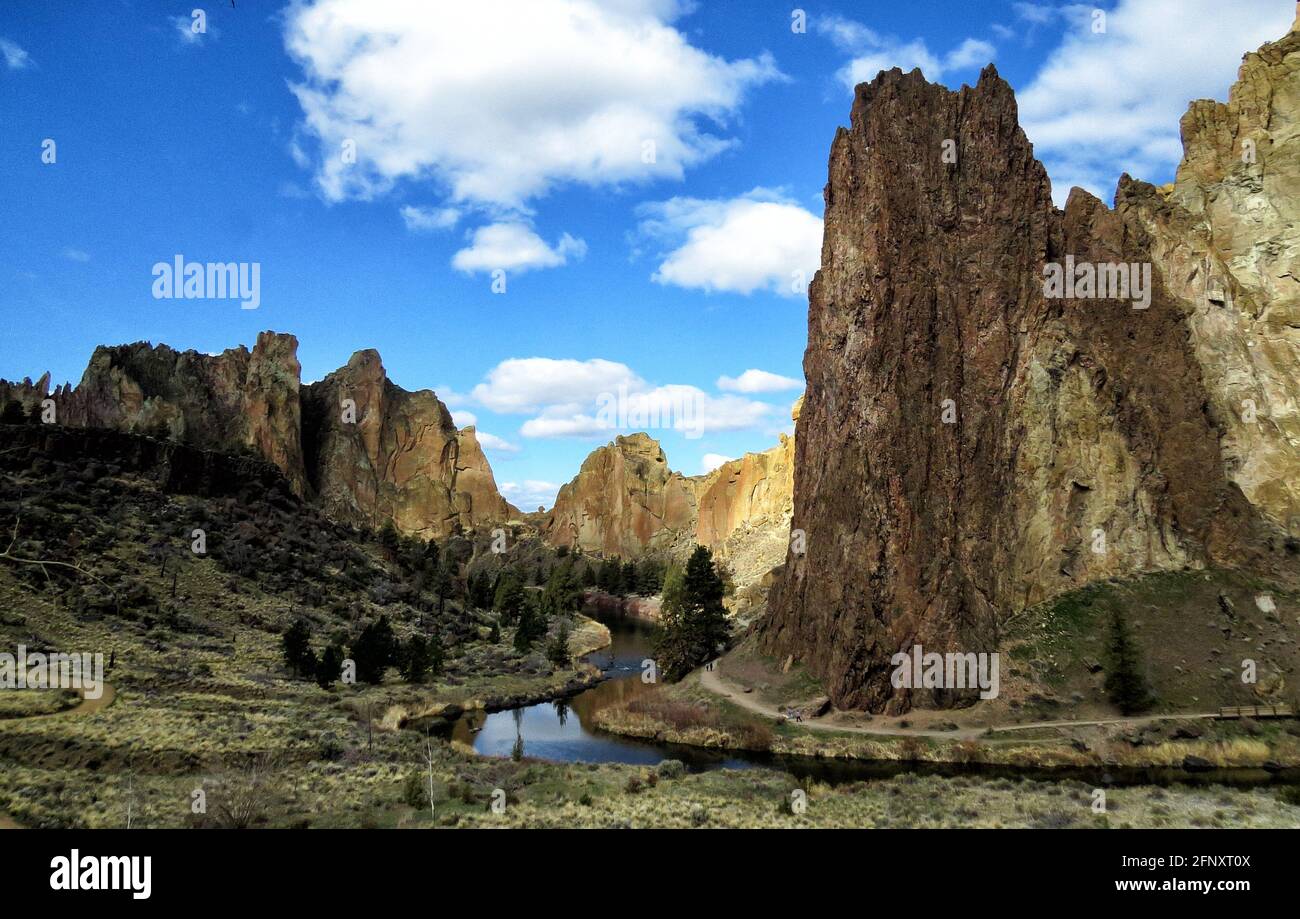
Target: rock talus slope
969,446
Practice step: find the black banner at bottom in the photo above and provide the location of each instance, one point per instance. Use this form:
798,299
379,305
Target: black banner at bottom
338,869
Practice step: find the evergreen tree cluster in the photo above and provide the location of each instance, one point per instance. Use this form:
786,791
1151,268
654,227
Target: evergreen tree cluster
375,649
644,578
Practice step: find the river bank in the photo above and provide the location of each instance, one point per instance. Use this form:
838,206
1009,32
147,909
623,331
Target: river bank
693,713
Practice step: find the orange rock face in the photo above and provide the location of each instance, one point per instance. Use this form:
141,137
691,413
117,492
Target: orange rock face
478,499
624,501
378,452
383,454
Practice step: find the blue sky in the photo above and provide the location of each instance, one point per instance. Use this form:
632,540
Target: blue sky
512,135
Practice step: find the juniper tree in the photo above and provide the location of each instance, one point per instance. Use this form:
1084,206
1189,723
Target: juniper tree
374,650
1126,686
415,659
296,643
330,666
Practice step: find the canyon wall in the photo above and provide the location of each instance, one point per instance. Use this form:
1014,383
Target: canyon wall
969,446
388,455
625,501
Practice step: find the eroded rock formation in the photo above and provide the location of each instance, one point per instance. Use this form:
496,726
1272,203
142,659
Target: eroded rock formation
389,455
969,446
624,501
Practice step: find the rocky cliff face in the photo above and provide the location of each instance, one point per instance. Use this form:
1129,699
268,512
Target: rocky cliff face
744,510
476,487
233,401
624,501
969,446
393,455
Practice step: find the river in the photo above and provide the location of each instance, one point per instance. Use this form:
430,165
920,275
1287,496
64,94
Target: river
563,731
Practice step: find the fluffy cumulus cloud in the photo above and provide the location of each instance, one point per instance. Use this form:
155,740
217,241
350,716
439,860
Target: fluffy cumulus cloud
530,494
757,381
598,398
515,247
498,101
1110,102
872,52
757,241
15,57
527,384
712,461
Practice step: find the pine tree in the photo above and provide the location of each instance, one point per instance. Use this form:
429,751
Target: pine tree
608,577
296,642
562,595
444,582
374,651
649,577
557,649
509,600
531,628
494,634
330,666
694,620
704,591
1125,685
627,579
415,659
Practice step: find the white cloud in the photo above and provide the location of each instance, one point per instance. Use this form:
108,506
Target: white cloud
1108,103
758,241
76,255
463,419
424,219
973,53
530,494
515,247
597,398
687,410
873,52
712,461
499,101
757,381
492,442
527,384
15,57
